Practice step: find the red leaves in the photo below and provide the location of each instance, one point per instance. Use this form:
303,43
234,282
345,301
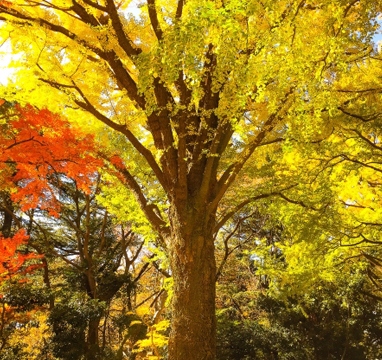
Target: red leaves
12,261
35,147
39,150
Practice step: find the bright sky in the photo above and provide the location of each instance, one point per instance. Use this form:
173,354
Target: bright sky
6,72
5,59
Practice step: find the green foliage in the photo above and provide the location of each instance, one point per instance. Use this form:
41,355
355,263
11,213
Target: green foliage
136,329
69,321
324,323
24,296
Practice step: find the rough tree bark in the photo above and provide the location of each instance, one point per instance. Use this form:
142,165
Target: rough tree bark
194,272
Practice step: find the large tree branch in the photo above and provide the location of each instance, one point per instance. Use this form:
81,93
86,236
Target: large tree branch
182,159
86,105
110,57
179,9
125,43
223,220
359,91
234,169
184,92
154,19
146,153
83,14
216,149
44,23
95,5
372,144
122,75
162,118
163,137
350,5
209,99
156,221
223,138
360,117
49,5
210,123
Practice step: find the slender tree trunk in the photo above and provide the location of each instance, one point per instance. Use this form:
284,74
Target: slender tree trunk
92,343
193,334
6,229
93,350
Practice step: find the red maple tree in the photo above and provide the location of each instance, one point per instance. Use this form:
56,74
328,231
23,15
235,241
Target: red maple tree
12,262
37,147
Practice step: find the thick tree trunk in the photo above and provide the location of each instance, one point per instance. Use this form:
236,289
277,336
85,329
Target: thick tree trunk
194,270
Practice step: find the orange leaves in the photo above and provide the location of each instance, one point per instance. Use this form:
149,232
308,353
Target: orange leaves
5,3
35,148
117,162
11,261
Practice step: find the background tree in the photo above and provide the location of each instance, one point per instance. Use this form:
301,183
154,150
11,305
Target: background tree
280,299
89,257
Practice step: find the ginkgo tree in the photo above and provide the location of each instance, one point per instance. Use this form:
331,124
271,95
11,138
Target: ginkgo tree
206,93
